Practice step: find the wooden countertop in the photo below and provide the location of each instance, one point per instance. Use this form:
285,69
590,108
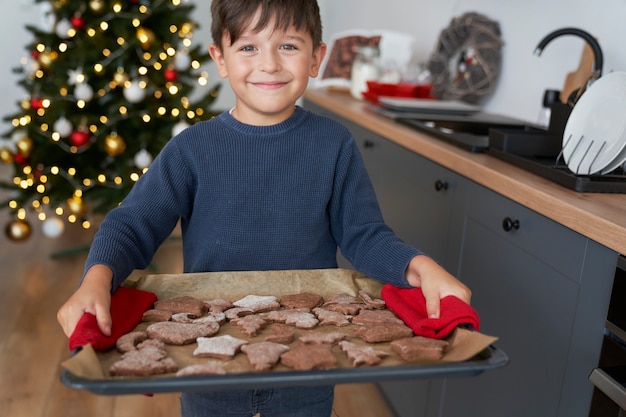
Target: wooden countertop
599,216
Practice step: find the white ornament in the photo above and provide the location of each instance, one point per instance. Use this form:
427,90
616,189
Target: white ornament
182,60
63,28
18,135
63,127
52,227
9,144
46,16
30,66
75,76
83,91
179,127
134,92
142,159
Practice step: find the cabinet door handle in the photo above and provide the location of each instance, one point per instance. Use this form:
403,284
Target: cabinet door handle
441,185
509,224
368,144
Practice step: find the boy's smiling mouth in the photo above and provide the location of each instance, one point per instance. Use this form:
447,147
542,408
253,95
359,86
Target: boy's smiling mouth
269,85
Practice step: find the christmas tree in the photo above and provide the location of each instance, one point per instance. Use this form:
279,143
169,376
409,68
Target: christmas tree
107,85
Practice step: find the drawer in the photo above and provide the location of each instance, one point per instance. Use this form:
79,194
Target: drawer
557,246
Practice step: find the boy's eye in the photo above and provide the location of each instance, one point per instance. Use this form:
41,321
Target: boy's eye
248,48
289,47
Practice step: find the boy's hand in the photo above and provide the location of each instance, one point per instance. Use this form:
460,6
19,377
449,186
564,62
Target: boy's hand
94,297
435,282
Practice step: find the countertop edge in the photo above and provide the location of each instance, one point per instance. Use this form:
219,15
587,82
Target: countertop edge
598,216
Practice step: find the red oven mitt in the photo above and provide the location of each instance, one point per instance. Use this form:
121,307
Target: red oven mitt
127,308
410,305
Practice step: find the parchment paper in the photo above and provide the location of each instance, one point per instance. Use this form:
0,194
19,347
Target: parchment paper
88,364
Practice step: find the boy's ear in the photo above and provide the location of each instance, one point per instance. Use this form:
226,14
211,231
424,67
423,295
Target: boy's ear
318,57
218,58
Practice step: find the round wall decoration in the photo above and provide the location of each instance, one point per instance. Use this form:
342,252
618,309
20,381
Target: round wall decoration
467,58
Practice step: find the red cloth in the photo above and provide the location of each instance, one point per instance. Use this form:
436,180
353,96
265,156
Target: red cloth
127,308
410,305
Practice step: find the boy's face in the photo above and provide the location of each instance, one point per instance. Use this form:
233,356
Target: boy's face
268,71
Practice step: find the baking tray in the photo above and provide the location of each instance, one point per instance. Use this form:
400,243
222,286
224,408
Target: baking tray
490,359
471,353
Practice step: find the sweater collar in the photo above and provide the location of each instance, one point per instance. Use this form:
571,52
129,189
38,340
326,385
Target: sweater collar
293,121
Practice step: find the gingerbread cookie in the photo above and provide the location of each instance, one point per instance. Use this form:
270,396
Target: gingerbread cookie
221,347
174,333
264,355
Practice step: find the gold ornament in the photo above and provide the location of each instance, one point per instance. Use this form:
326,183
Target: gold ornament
76,205
25,146
114,145
18,230
6,155
46,58
57,4
120,77
97,6
145,36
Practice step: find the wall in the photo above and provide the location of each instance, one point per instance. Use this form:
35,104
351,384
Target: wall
523,23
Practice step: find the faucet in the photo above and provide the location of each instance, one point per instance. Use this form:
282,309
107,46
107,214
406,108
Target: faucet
597,55
593,43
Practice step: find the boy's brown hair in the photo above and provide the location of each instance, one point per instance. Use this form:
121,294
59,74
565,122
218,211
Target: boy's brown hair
231,17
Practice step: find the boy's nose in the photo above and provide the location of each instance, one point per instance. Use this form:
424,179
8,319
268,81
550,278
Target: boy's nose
270,62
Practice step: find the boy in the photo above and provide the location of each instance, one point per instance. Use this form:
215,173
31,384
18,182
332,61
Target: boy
264,186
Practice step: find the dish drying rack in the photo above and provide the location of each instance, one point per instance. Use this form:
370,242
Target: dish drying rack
543,155
587,153
556,170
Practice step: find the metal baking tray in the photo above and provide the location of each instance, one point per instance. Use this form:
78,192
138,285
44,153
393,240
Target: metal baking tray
471,353
490,359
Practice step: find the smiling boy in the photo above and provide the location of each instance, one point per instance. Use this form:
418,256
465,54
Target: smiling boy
268,64
264,186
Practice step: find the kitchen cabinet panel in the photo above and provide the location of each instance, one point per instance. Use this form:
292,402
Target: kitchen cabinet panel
529,305
532,286
417,199
556,246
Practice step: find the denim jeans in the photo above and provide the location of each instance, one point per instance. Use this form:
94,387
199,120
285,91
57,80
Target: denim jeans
278,402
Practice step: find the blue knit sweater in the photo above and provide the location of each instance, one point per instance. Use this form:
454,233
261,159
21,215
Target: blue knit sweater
255,198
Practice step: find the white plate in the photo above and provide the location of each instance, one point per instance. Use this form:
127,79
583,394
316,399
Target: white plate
595,133
427,105
616,163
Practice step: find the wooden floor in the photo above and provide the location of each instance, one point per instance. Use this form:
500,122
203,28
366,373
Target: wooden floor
32,287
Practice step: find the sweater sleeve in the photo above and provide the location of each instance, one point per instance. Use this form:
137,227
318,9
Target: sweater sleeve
131,233
358,225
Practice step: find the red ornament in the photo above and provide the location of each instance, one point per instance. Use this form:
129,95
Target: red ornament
79,138
35,54
21,160
36,103
77,22
170,74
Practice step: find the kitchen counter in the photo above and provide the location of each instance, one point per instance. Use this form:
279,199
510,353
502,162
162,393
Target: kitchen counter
598,216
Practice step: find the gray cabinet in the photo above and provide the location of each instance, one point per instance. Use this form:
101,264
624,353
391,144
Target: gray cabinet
542,288
417,198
